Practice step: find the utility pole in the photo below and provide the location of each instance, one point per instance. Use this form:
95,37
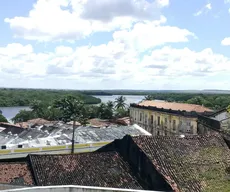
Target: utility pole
73,137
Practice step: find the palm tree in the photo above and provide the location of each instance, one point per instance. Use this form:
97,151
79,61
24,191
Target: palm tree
72,109
120,102
148,97
110,104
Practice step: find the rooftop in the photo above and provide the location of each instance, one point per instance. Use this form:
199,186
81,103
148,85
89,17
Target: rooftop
194,163
61,134
190,163
175,106
89,134
105,169
15,173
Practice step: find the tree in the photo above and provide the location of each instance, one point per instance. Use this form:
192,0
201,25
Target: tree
120,102
148,97
37,108
3,119
52,114
110,104
23,116
119,113
73,109
228,109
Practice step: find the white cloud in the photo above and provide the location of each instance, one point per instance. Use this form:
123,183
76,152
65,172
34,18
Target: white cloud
52,20
208,6
63,50
204,10
107,10
107,65
172,62
140,55
15,49
226,41
148,35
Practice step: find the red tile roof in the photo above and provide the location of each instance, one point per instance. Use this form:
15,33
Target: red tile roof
15,173
105,169
39,121
175,106
191,164
100,123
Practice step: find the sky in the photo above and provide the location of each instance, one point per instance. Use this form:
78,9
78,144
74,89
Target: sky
115,44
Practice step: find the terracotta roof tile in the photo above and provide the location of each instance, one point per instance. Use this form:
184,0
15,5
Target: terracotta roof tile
100,123
193,164
105,169
39,121
22,125
175,106
15,173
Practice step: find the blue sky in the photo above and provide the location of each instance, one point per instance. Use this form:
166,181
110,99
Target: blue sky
112,44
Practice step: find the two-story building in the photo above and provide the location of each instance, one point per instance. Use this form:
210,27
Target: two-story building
167,118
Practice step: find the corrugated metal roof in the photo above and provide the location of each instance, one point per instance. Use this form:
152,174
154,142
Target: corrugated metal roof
59,134
89,134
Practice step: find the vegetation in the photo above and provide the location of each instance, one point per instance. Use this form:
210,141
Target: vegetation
72,108
214,101
23,116
23,97
120,102
151,92
3,119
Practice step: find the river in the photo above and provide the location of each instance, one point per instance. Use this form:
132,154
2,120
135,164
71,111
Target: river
10,112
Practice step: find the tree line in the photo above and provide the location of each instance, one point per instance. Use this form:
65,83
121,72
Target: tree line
72,108
213,101
23,97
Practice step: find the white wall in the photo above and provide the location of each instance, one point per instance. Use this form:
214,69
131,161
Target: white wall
72,188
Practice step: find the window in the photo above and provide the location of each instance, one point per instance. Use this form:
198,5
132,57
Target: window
188,123
140,116
135,117
146,118
166,120
158,120
151,120
174,125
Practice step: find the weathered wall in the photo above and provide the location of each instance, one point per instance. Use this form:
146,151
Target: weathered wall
224,118
141,165
162,123
60,149
5,187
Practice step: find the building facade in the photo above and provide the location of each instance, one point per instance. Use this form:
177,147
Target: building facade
223,116
163,118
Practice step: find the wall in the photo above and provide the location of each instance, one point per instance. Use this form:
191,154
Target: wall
224,118
207,125
6,186
183,124
141,165
61,149
72,189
